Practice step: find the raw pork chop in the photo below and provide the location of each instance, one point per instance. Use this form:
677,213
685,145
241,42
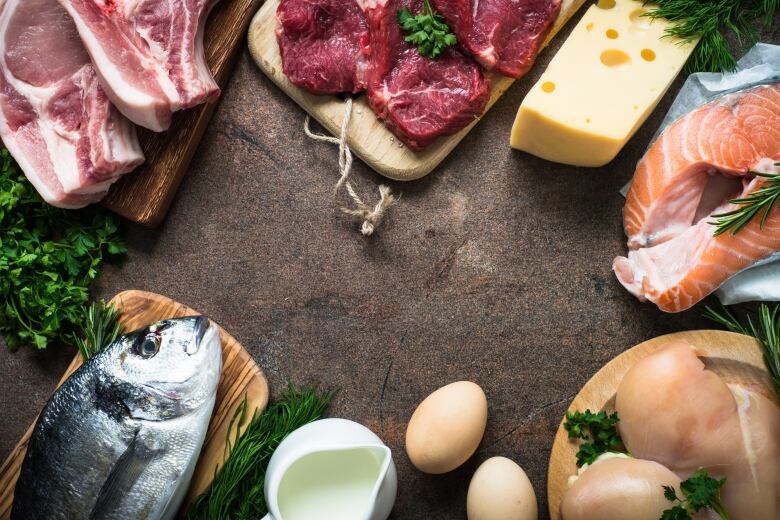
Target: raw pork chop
418,98
324,44
54,118
148,53
503,35
674,259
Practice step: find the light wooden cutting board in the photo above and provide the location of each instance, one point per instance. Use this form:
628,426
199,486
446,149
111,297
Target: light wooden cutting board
368,137
737,359
240,377
145,195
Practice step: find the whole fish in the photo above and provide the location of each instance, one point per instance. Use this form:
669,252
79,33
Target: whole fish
121,437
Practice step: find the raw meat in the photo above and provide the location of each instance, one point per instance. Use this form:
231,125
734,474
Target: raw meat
418,98
148,54
700,162
502,35
692,419
324,44
55,119
619,487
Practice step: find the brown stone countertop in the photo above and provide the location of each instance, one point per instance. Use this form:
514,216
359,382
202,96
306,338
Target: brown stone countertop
496,268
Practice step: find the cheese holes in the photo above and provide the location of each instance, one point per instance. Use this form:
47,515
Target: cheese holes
639,20
606,4
548,86
612,34
616,59
589,27
647,54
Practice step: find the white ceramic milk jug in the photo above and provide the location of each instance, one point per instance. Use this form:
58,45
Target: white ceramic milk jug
331,469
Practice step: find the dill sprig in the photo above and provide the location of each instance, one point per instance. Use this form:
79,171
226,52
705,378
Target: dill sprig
101,328
237,492
763,199
708,21
766,330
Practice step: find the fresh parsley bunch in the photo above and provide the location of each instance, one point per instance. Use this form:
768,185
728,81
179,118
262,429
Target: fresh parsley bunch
427,30
699,492
598,429
48,258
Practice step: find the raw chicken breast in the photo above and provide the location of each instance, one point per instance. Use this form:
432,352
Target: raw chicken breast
697,164
675,412
758,473
619,488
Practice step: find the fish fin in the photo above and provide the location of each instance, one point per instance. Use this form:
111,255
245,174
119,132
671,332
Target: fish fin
125,473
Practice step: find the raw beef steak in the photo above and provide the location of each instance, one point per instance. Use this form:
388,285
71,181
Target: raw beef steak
324,44
418,98
55,119
148,53
503,35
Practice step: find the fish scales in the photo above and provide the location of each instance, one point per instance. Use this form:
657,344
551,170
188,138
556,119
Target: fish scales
121,437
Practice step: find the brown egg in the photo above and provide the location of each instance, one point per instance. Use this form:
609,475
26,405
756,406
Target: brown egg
500,490
447,427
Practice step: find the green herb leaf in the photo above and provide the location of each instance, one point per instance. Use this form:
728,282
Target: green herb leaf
700,491
762,200
427,30
670,493
676,513
766,331
707,20
237,491
599,429
48,259
101,328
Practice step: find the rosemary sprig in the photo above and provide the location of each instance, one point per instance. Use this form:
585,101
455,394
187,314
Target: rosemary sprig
100,329
766,331
708,20
763,199
237,492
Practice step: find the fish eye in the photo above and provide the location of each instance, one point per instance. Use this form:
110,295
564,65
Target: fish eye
149,346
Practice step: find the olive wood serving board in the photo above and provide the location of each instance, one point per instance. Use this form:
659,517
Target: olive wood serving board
145,195
240,377
736,358
368,138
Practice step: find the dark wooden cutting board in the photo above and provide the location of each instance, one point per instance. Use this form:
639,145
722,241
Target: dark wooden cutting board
145,195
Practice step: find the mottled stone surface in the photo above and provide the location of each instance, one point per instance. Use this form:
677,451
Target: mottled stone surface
495,269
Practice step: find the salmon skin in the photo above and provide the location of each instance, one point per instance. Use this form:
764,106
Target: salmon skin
699,163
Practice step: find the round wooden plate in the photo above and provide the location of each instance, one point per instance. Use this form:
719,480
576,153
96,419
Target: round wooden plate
734,357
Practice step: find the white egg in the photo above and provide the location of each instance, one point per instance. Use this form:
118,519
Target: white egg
500,490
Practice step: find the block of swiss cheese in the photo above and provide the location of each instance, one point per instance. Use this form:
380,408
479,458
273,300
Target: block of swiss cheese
601,86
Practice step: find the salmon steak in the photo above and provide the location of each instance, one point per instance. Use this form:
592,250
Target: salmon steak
687,178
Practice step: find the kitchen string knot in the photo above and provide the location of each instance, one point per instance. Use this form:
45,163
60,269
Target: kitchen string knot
370,216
